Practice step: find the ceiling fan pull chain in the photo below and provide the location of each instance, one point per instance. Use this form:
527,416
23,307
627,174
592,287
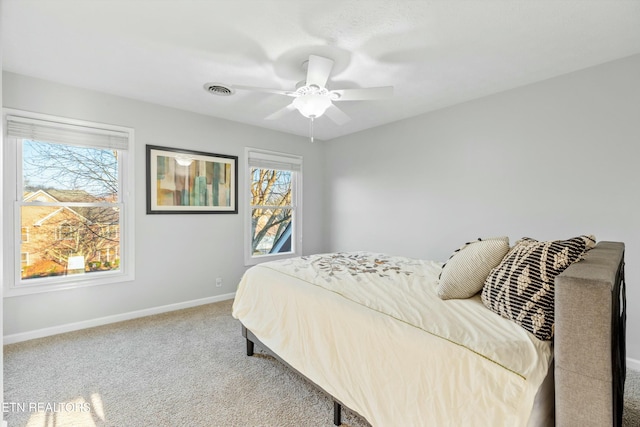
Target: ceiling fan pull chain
311,129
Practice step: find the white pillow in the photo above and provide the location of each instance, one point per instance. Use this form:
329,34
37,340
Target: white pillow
464,273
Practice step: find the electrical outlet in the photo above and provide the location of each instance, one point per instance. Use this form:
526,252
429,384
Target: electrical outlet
218,282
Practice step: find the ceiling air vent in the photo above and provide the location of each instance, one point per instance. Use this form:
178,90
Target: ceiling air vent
218,89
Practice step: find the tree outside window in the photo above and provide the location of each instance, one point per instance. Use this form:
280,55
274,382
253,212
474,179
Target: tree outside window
271,211
70,204
274,194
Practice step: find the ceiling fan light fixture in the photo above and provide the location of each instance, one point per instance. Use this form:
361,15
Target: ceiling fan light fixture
312,105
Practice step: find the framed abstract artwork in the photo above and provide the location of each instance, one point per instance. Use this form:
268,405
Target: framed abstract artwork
190,182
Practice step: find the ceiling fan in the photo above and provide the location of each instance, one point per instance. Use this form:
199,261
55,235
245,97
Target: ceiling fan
312,98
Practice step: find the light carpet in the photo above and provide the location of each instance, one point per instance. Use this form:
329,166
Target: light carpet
184,368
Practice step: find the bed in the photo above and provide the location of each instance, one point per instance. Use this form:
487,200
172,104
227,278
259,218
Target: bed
375,333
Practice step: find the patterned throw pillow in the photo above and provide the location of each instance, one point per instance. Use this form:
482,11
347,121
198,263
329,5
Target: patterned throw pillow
521,288
464,273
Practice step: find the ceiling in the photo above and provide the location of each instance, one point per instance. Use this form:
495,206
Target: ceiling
434,53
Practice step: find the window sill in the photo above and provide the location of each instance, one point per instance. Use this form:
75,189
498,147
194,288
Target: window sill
55,285
265,258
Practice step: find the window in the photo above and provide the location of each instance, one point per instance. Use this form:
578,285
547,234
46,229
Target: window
73,203
274,218
66,232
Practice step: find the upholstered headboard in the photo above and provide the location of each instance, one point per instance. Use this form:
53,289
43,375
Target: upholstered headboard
589,343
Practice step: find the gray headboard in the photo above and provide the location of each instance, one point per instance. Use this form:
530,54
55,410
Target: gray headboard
589,343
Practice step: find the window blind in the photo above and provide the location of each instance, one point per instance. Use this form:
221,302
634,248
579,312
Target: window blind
66,133
277,161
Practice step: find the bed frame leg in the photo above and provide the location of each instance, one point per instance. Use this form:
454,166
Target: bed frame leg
337,413
245,334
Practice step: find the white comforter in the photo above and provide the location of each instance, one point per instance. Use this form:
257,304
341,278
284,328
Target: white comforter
370,330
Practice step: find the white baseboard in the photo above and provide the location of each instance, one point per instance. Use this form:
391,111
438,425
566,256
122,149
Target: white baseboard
633,364
69,327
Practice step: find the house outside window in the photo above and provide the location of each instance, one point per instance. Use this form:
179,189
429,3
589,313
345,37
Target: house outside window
73,202
274,218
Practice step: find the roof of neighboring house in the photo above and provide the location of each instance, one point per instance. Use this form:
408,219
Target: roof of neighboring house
63,195
283,244
85,213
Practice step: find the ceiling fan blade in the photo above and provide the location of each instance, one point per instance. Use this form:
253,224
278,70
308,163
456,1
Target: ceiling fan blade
364,94
281,112
318,70
337,115
264,89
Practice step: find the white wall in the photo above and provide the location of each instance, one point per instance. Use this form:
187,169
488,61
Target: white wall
177,256
550,160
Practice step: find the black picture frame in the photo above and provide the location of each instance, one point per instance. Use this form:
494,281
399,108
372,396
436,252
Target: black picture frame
190,182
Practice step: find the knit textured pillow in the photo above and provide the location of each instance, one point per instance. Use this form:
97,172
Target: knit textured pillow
521,288
464,273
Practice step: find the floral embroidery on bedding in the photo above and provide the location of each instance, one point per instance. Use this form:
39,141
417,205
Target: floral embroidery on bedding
356,263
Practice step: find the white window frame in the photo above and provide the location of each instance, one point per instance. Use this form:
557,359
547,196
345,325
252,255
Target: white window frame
255,157
14,284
